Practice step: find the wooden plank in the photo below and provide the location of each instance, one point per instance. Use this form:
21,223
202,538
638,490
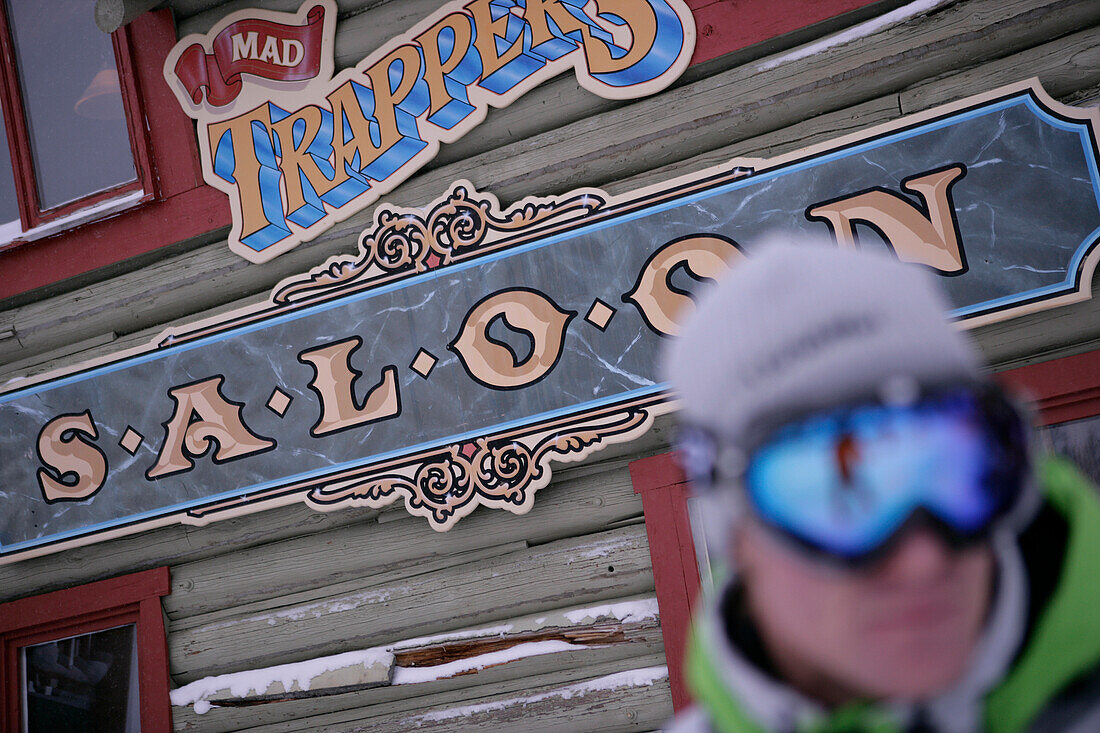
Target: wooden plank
1064,66
298,588
311,714
680,123
581,570
638,639
609,702
166,546
567,507
1065,331
803,134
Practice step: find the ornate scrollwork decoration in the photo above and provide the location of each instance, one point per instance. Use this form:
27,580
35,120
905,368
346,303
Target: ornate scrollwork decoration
409,241
398,242
503,473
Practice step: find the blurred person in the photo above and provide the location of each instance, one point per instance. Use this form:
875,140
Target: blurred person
897,560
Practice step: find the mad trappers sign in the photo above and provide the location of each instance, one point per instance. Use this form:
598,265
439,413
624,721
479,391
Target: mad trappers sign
297,150
463,348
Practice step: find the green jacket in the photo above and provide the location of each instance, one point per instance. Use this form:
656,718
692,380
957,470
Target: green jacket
1054,681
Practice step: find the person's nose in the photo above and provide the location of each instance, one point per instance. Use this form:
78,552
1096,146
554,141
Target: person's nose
920,556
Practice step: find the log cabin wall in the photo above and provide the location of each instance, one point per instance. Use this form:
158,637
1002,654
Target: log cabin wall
546,619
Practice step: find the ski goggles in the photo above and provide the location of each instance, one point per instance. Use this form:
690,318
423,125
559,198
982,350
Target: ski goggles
845,482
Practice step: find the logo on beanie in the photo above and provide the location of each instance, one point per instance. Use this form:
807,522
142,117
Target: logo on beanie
834,334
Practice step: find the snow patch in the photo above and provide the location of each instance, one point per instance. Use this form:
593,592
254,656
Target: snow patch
258,681
630,678
627,612
905,12
414,675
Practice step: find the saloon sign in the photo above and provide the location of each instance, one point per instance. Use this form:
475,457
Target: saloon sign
463,348
297,150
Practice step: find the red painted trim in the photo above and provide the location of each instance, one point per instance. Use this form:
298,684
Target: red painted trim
15,122
723,26
156,706
133,598
105,242
1062,389
135,118
91,598
176,154
663,489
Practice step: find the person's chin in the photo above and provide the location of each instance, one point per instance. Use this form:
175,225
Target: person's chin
918,653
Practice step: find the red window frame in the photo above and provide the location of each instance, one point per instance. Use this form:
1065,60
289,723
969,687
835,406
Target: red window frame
129,599
178,205
664,490
1060,389
31,212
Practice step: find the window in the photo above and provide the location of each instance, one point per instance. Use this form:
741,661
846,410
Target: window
84,681
75,147
91,658
182,208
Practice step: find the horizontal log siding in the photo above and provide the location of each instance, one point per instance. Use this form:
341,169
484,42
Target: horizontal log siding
641,647
586,569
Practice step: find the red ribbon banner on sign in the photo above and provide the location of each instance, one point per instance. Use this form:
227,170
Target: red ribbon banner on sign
251,46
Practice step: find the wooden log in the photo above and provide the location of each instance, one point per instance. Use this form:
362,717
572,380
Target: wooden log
1064,66
165,546
560,668
630,699
640,633
567,507
680,123
576,570
297,587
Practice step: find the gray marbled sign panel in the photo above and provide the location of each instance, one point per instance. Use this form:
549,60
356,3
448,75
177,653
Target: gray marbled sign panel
1024,205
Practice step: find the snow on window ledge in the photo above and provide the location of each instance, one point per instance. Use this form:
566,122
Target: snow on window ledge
12,232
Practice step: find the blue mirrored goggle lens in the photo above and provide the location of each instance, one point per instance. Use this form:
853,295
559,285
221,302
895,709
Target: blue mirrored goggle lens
845,482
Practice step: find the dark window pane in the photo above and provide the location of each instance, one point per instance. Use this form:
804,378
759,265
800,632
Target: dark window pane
82,684
9,206
79,139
